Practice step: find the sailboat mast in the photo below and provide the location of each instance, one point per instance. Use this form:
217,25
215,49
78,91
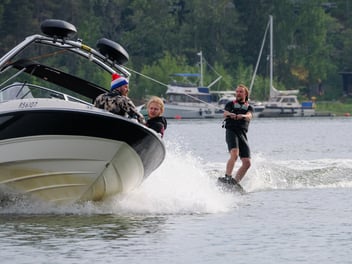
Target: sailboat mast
271,55
259,57
201,68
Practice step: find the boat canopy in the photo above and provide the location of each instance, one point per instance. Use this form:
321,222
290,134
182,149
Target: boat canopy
186,74
275,92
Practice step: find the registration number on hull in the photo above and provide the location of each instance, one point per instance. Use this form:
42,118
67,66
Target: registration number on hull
23,105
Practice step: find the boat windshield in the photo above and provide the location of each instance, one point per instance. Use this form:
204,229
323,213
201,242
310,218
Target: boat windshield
19,90
185,98
289,100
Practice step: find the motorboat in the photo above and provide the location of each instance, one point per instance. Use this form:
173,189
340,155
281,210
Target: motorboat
286,104
187,97
187,101
55,146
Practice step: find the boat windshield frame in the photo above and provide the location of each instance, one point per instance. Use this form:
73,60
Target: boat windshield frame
17,60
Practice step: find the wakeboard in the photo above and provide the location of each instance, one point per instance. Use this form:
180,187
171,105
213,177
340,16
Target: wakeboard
230,186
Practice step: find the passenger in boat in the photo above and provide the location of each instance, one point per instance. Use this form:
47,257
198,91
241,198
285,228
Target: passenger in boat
156,120
116,101
237,114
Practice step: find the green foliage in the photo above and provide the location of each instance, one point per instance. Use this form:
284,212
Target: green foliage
335,107
159,74
311,41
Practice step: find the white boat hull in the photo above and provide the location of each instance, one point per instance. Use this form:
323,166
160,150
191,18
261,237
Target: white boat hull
184,111
64,152
286,112
68,168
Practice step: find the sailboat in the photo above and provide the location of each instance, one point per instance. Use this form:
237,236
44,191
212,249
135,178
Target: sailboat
281,103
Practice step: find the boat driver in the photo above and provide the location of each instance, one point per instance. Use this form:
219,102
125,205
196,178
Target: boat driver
116,101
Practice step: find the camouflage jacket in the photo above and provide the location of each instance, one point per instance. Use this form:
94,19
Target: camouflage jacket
118,104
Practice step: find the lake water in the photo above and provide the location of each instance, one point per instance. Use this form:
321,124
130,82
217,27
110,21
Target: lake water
297,208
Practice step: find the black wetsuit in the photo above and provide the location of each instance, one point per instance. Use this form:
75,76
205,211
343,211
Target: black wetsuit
158,124
236,130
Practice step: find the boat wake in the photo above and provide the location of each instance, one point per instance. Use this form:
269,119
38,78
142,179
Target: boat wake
298,174
186,184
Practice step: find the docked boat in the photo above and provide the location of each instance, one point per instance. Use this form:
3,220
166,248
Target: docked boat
286,104
55,146
281,103
189,99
